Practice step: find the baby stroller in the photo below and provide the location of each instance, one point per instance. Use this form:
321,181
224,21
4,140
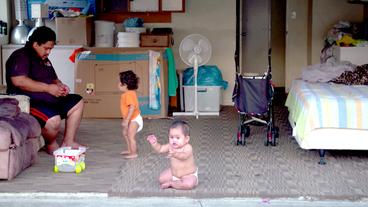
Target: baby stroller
252,97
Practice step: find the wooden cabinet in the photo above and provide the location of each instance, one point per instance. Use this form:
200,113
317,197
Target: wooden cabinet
156,40
173,5
150,11
144,6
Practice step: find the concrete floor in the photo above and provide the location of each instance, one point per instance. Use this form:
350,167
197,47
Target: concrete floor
102,199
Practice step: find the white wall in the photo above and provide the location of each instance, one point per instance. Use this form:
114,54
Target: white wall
4,39
215,19
5,16
324,19
296,49
307,31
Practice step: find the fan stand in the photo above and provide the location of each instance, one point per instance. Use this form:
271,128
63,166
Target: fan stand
196,113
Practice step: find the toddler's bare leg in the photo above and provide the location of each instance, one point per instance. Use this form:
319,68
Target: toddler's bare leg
165,178
125,137
132,131
187,182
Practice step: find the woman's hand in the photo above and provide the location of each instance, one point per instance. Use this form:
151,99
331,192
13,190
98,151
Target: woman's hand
55,90
63,88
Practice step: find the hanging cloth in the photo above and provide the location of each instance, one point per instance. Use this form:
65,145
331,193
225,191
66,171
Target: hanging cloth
154,80
173,79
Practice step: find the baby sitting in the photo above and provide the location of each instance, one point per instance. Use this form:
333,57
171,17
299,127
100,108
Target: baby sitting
183,172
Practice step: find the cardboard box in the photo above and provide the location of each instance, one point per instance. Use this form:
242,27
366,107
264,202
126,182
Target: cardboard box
76,5
74,31
97,78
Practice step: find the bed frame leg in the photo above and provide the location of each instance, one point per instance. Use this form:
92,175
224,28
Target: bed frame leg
322,157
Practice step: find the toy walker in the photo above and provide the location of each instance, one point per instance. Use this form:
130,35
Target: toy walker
69,160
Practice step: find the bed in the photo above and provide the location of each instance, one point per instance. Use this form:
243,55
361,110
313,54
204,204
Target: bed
328,116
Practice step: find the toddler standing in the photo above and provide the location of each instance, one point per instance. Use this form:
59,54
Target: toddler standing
132,121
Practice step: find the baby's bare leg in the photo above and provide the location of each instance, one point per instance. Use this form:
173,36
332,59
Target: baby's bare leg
132,130
125,137
187,182
165,178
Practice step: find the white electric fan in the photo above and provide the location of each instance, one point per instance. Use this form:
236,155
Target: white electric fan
195,50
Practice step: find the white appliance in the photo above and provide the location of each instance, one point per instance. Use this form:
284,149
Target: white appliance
59,58
20,32
195,50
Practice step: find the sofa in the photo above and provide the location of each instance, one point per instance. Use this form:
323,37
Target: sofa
19,136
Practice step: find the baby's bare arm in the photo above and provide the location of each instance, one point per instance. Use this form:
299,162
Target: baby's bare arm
186,153
157,146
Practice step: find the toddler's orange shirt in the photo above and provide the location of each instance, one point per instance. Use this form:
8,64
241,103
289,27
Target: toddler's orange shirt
126,99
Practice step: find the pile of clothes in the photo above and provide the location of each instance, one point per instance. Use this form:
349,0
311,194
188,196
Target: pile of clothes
344,34
359,76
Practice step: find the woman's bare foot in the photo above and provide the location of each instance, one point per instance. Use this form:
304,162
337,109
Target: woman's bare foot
126,152
50,148
73,145
165,185
131,156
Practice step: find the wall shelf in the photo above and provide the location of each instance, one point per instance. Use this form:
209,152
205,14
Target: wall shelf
365,3
119,10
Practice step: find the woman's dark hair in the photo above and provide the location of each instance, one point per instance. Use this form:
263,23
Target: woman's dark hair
182,124
130,79
41,35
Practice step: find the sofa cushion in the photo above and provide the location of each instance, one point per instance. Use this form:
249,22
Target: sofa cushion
6,133
34,129
22,99
14,138
25,124
9,107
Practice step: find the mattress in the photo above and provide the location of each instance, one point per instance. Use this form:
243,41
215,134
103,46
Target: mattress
328,115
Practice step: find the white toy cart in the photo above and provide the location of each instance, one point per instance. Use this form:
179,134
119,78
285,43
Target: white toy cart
70,160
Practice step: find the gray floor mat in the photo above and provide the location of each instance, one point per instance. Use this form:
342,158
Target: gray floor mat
225,170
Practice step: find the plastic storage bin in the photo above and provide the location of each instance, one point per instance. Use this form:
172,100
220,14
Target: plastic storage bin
209,98
69,160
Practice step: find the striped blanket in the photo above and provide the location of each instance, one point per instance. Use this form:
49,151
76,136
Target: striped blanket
327,105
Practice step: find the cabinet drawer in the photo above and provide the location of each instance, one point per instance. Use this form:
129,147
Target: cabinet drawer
155,40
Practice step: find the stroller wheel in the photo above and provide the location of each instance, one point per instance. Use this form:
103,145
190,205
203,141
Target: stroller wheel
239,136
244,133
243,139
239,142
276,132
275,135
268,139
273,142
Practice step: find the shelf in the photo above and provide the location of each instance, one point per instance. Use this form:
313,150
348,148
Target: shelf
148,17
357,2
158,11
365,3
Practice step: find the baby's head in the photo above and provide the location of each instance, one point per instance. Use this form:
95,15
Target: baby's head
179,134
129,79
